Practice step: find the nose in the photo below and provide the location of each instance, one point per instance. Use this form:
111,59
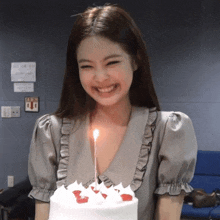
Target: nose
101,75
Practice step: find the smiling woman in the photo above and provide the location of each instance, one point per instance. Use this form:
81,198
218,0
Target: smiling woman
128,46
106,72
108,86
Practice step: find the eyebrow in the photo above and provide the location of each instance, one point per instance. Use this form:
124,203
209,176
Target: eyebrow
108,57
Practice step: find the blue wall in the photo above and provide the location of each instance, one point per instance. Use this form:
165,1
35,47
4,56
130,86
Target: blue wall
182,37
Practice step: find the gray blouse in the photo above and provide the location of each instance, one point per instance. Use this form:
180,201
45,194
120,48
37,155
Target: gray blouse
157,156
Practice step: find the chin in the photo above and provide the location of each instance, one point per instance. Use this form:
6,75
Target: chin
107,103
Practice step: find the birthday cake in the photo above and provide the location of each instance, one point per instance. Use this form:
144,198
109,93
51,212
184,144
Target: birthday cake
97,202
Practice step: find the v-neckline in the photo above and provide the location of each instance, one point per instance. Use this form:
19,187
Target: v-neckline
123,166
126,139
121,144
129,163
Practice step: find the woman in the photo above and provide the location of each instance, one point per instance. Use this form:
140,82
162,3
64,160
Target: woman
108,85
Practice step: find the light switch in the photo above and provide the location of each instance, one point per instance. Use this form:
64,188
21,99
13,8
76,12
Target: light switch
11,181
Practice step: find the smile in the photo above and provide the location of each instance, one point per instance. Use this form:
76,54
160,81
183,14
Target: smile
107,89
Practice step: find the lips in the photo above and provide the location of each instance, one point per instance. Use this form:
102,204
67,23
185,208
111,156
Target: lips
107,89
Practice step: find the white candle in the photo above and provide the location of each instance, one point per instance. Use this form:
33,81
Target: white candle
95,136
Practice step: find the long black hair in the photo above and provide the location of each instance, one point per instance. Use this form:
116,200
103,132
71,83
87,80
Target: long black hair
114,23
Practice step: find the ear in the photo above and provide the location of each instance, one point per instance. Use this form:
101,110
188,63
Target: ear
134,65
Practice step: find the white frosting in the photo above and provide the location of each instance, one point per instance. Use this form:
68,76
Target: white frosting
64,205
127,190
65,196
119,186
75,186
104,189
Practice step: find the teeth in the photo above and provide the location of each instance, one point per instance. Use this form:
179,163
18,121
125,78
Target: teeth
109,89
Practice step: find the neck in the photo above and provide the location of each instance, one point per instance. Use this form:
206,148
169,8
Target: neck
112,115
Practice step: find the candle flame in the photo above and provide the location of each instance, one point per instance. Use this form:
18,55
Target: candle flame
95,134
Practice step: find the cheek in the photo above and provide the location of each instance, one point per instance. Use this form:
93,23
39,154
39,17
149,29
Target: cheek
129,80
83,79
86,82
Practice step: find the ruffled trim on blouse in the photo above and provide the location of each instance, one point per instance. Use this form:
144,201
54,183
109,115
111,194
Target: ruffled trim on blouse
64,152
145,150
103,178
41,194
106,180
142,160
173,188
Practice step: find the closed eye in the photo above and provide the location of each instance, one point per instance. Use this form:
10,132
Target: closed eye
86,66
113,62
110,63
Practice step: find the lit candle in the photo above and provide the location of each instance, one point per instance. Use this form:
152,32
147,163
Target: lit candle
95,136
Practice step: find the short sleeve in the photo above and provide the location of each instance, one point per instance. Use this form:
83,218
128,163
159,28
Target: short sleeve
42,164
177,155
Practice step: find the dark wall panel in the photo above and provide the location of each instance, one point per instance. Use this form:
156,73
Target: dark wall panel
182,39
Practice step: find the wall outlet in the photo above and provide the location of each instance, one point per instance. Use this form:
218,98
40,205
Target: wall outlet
11,181
15,111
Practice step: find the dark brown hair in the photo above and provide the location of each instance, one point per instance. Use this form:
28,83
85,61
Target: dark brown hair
114,23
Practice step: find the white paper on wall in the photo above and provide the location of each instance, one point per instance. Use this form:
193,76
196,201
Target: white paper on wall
23,72
23,87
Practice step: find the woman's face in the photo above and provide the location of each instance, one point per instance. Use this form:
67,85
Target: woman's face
105,70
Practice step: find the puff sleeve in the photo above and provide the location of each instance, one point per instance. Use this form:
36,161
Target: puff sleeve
42,163
177,155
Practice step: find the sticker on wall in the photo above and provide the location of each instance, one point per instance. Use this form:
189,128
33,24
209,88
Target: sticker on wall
31,104
23,87
23,72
